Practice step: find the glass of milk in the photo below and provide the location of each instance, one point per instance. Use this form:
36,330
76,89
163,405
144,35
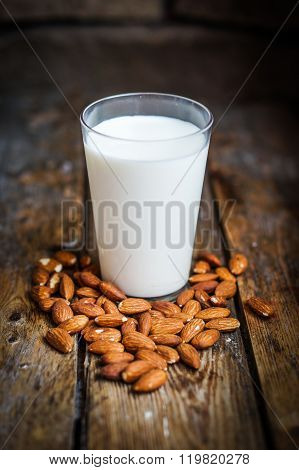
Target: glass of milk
146,156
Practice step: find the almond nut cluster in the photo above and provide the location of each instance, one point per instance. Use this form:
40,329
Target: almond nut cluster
135,338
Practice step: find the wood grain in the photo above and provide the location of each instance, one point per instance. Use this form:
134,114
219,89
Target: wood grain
264,225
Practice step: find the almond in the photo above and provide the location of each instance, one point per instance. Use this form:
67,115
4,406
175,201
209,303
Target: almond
238,264
60,340
67,287
90,324
39,293
205,339
168,309
49,264
144,323
201,267
226,289
129,326
217,301
134,341
53,282
113,371
90,310
90,280
166,340
154,358
46,304
76,306
40,276
166,326
110,320
91,268
192,329
208,286
170,355
135,369
77,278
203,277
223,324
87,292
104,347
93,333
225,275
84,261
74,324
104,334
112,357
131,306
212,259
66,258
150,381
111,291
213,312
101,300
185,317
61,311
261,306
109,307
203,298
189,355
192,307
184,296
156,314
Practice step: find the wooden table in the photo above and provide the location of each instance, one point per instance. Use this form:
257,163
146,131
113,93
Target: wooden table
244,396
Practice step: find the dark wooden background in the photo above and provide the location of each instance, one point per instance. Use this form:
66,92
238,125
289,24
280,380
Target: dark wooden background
67,54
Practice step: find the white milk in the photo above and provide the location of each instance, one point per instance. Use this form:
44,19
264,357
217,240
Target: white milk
132,174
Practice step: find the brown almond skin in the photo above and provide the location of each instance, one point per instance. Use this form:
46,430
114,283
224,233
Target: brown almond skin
110,320
205,339
60,340
112,357
66,258
131,306
135,369
104,347
49,264
111,291
156,314
113,371
61,311
203,277
130,326
87,292
46,304
94,333
78,303
261,306
213,312
170,355
90,310
84,261
184,296
101,301
154,358
185,317
40,277
201,267
74,324
192,307
223,324
144,323
109,307
134,341
192,328
53,282
166,326
189,355
212,259
107,334
166,339
226,289
238,264
203,298
90,280
67,287
168,309
217,301
225,275
208,286
150,381
39,293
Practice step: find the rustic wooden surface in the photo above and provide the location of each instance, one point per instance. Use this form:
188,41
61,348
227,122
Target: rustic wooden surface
244,395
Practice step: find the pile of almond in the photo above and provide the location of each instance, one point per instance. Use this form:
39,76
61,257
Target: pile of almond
135,338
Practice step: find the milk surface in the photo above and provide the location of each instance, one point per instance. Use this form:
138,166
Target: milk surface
145,209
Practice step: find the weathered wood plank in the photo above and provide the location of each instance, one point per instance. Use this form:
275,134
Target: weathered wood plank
254,161
195,410
37,172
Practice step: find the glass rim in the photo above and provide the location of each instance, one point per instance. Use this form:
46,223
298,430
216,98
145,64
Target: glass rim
122,95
